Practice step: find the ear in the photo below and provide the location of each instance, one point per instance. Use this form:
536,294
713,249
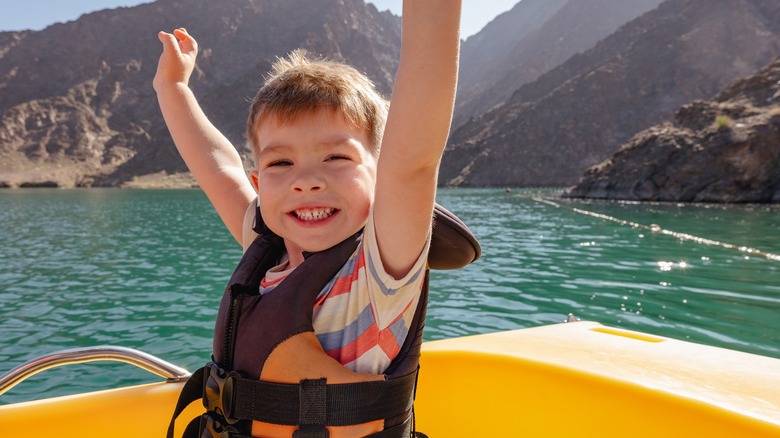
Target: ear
253,178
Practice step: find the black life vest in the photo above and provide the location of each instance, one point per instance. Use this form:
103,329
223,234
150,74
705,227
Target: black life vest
249,326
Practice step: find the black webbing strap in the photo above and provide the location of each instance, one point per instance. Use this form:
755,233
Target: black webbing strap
341,404
312,409
311,405
193,429
192,390
403,430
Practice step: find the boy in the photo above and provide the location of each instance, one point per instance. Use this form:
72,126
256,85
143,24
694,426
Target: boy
319,179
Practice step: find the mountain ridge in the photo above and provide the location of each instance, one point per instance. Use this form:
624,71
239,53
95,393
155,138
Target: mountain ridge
539,35
77,107
576,115
81,111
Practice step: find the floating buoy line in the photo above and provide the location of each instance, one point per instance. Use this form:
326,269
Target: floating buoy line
657,229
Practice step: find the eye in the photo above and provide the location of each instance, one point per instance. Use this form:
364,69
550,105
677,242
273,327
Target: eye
335,157
279,163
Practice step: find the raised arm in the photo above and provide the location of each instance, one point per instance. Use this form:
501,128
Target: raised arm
416,132
211,158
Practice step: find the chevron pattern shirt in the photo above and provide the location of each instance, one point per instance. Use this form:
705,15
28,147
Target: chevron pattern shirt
362,316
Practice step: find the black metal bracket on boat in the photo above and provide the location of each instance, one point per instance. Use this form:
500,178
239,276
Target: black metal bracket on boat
146,361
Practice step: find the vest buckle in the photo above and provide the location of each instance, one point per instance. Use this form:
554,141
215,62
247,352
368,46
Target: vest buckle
218,392
211,427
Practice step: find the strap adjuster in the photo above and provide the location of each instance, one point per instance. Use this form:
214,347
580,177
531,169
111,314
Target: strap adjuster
312,409
214,428
218,392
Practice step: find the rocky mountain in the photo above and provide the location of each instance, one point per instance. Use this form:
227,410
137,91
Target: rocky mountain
535,36
77,106
551,130
724,150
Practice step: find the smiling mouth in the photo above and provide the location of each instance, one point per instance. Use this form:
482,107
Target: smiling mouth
313,214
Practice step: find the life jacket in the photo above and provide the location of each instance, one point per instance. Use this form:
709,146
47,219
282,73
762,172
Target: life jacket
249,326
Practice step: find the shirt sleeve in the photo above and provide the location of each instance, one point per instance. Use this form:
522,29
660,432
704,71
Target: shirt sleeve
248,235
392,298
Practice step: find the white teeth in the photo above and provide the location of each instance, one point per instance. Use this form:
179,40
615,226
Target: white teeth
314,214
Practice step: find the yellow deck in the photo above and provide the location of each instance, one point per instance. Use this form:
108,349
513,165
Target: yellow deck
577,379
583,379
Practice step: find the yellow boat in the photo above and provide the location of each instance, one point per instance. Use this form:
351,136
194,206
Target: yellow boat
574,379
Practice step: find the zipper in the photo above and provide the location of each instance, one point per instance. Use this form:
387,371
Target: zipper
229,342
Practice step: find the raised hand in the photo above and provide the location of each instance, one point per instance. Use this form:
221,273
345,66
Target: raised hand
177,60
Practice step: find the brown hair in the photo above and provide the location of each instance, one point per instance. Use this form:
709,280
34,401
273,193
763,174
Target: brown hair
297,85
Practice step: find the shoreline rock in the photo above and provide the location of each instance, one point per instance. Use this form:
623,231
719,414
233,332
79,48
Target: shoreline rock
721,151
159,180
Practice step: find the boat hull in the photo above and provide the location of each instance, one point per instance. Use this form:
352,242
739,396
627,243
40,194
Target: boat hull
579,378
584,379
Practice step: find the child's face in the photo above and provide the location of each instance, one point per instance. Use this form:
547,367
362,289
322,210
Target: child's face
315,179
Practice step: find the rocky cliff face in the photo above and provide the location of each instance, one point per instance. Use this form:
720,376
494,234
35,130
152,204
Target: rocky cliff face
76,102
725,150
530,40
484,57
551,130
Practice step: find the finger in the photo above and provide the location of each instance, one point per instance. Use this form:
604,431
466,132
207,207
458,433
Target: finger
168,41
186,42
182,34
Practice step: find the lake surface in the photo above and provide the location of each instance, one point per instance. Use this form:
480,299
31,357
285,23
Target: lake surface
146,268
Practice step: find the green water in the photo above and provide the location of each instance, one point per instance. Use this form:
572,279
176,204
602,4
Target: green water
145,269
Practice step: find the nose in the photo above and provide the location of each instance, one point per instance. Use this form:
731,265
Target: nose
308,180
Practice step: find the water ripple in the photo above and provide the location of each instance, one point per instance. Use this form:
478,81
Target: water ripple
145,269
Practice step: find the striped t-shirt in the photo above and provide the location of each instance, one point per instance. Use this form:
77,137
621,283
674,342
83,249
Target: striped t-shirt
362,316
